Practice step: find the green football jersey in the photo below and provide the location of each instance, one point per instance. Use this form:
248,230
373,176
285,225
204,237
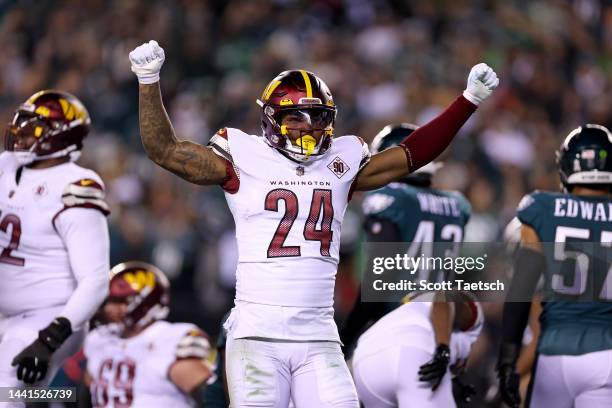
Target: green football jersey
421,214
577,236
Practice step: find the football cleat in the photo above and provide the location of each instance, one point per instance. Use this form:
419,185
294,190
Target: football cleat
50,124
298,115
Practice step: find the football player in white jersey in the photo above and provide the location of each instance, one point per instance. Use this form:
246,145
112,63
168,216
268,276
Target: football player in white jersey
388,355
135,358
54,257
288,190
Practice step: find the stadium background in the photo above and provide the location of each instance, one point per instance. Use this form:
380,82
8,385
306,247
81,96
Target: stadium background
385,61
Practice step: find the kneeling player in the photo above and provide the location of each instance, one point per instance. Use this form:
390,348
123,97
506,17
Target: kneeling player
137,359
390,358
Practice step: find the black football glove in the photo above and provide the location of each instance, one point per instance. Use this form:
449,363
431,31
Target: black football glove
33,362
509,385
435,369
462,392
506,374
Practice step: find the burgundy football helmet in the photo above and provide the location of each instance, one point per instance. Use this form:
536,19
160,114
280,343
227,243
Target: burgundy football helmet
56,120
144,288
304,97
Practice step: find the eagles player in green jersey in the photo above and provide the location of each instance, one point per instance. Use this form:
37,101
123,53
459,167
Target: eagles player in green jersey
574,362
410,210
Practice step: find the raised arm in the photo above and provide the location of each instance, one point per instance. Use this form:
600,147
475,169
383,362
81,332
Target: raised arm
191,161
430,140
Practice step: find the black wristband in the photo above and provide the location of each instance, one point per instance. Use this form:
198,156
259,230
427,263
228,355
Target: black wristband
56,333
443,350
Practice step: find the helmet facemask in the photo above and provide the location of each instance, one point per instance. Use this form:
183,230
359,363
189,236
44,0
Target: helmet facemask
23,134
302,133
51,124
298,115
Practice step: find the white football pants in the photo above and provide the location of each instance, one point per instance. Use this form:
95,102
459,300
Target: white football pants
18,332
388,378
270,373
583,381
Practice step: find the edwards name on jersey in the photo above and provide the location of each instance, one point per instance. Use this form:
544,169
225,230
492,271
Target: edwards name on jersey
577,236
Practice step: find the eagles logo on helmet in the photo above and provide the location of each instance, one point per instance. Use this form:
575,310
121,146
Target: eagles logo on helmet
585,158
298,115
49,124
144,289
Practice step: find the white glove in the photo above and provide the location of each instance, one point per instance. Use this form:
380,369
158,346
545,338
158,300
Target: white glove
481,83
147,60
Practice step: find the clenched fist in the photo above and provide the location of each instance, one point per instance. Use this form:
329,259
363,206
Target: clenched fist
147,60
481,83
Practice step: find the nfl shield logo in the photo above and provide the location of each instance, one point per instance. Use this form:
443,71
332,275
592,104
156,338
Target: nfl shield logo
299,170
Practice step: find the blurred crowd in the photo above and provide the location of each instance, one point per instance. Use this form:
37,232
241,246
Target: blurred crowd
385,61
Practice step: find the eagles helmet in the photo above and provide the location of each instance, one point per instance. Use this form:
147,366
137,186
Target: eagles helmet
56,121
298,96
392,135
585,157
144,288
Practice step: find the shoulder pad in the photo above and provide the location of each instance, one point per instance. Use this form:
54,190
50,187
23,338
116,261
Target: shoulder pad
529,209
194,344
86,193
365,153
466,207
219,143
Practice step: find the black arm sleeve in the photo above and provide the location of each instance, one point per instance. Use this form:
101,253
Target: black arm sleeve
199,394
528,267
377,230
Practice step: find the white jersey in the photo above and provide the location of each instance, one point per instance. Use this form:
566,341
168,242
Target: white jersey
133,372
288,219
410,325
34,262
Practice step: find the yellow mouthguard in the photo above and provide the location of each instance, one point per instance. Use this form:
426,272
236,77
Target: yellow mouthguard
307,143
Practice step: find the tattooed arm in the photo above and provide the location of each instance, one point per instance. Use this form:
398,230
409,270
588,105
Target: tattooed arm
191,161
